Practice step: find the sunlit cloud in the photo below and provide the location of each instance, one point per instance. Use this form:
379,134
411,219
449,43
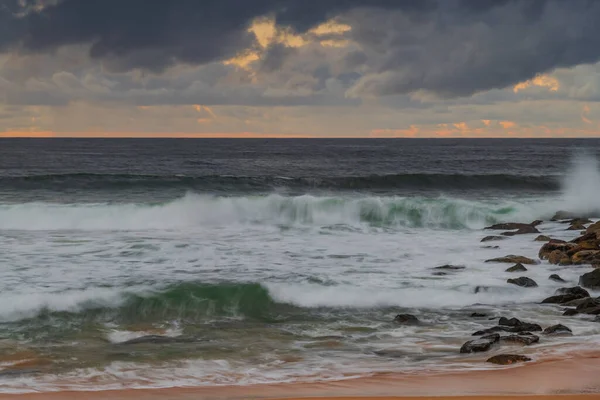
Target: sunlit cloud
507,124
584,114
544,81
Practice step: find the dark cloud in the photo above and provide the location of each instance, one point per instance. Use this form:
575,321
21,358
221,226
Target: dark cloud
449,47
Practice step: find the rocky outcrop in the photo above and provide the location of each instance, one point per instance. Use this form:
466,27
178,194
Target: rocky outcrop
556,278
576,226
492,238
519,325
558,257
586,257
517,268
508,359
558,330
480,345
525,340
591,280
565,295
553,246
523,282
511,226
528,229
542,238
512,259
450,267
406,319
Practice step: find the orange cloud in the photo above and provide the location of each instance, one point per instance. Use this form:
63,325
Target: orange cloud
461,125
413,131
547,81
507,124
584,114
486,122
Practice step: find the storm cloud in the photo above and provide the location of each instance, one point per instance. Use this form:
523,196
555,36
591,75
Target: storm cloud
451,48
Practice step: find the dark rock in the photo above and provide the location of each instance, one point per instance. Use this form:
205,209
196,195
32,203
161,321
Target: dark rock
451,267
570,312
512,259
528,229
543,238
581,221
512,325
478,315
597,319
561,299
508,359
556,278
558,330
479,289
480,345
439,273
562,215
590,311
587,303
591,280
575,303
509,322
490,247
517,268
523,282
577,290
525,340
511,226
156,339
492,238
406,319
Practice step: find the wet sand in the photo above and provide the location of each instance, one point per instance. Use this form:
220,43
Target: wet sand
566,379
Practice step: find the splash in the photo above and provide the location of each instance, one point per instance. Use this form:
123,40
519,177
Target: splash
581,187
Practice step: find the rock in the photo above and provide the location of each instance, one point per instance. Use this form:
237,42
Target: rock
586,257
557,256
508,359
511,226
577,226
528,229
156,339
492,238
587,303
451,267
517,268
406,319
590,311
553,246
593,228
439,274
577,290
591,280
523,282
480,345
512,259
478,315
490,247
577,302
597,319
558,330
556,278
562,215
519,325
542,238
581,221
570,312
525,340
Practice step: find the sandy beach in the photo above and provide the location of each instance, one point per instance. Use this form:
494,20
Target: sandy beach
574,378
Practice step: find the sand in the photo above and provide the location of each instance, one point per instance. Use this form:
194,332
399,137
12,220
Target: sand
576,378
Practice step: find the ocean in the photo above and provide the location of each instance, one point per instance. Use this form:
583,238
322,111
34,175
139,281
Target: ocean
264,261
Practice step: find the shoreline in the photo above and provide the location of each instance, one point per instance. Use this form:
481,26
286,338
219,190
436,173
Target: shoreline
571,378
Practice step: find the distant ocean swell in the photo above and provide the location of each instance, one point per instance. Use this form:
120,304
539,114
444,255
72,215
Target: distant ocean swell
202,211
261,183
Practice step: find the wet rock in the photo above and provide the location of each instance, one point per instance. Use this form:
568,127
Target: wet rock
576,226
511,226
590,311
519,325
593,228
508,359
570,312
524,339
490,247
587,304
479,289
439,273
543,238
512,259
406,319
478,315
523,282
528,229
591,280
450,267
517,268
156,339
558,256
562,215
554,245
492,238
577,290
480,345
577,302
586,257
597,319
558,330
556,278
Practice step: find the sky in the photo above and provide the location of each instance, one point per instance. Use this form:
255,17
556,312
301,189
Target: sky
300,68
